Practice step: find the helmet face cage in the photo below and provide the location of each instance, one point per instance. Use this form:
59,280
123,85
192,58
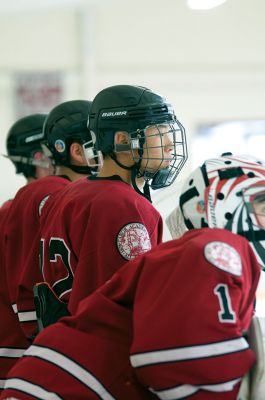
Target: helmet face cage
93,157
254,200
239,206
159,152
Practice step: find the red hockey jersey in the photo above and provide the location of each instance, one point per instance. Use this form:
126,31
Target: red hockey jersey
21,229
91,230
171,324
12,340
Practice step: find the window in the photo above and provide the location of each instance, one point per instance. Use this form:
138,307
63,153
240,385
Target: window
237,137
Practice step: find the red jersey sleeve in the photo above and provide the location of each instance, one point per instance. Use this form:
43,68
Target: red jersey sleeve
79,358
12,340
191,315
22,246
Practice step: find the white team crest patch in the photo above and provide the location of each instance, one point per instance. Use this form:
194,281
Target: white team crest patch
132,240
223,256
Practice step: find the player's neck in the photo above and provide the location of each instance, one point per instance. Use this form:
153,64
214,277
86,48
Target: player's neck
110,168
65,171
30,179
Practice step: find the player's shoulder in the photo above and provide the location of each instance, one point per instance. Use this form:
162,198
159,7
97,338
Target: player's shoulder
66,200
113,189
201,240
121,191
51,181
205,235
4,211
218,247
195,241
5,206
199,248
33,195
38,186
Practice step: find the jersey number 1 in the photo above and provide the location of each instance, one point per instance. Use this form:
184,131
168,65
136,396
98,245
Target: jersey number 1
226,313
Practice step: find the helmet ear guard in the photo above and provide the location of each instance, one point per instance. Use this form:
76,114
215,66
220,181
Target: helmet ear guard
120,147
123,142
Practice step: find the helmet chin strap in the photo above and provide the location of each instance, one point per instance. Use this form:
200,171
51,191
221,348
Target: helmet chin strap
114,158
32,162
29,161
146,187
134,169
84,170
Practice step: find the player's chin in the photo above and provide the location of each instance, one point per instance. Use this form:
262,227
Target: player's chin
165,164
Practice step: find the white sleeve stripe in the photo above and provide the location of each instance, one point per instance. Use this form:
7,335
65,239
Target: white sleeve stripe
183,391
10,352
27,316
221,387
14,306
2,383
176,393
189,353
65,292
72,368
31,389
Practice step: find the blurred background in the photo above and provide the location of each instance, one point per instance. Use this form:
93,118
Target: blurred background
209,63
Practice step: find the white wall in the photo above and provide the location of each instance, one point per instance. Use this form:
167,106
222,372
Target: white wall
210,64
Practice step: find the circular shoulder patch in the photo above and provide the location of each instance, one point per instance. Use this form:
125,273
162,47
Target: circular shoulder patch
224,257
132,240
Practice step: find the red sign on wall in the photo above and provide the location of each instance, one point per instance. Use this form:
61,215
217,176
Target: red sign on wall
36,92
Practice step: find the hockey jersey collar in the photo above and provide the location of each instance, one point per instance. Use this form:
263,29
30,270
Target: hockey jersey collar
109,178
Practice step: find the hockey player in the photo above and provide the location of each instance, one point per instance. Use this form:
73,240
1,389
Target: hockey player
68,140
173,323
24,149
102,222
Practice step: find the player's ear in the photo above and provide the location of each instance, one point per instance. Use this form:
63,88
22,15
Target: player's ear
121,142
76,153
121,137
38,155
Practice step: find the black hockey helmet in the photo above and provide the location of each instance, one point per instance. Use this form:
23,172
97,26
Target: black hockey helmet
133,109
65,124
24,139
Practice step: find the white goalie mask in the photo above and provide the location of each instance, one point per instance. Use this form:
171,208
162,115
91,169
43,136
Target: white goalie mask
230,196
